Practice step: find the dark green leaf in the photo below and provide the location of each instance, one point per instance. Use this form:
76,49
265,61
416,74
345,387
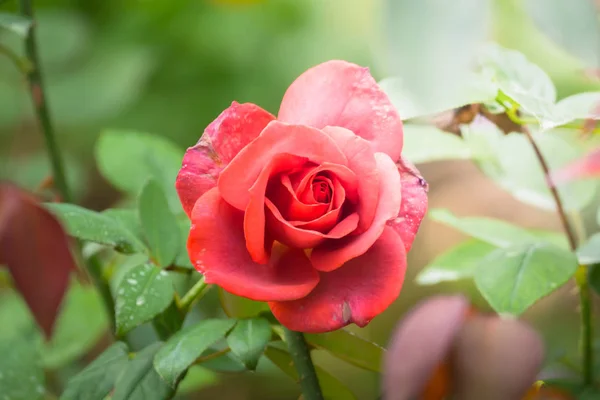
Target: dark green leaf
424,143
169,321
187,345
514,278
21,377
15,23
159,224
129,218
81,323
351,348
459,262
183,257
97,379
594,277
92,226
140,381
589,252
225,363
144,292
442,28
495,232
572,24
249,339
331,387
128,159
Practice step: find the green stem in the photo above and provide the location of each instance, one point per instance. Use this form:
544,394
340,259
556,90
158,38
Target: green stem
20,63
304,365
38,95
586,341
196,292
94,269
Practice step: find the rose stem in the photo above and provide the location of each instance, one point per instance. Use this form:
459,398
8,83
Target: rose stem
304,365
36,88
581,275
195,293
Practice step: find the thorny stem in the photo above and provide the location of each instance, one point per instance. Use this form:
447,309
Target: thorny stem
304,365
36,87
195,293
581,276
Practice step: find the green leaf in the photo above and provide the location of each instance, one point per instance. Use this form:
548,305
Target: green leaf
144,292
159,224
96,380
512,279
476,89
249,339
129,218
140,381
351,348
15,23
225,363
183,257
240,307
183,348
495,232
424,143
22,378
459,262
80,325
429,83
594,277
589,252
331,387
521,80
573,25
128,159
197,378
95,227
579,106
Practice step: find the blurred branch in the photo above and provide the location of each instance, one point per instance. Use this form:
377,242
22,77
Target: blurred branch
38,96
22,64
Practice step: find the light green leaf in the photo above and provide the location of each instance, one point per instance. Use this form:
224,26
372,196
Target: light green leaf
95,227
425,143
15,23
96,380
459,262
240,307
598,216
225,363
140,381
445,33
159,224
81,323
589,252
197,378
22,378
183,257
521,80
512,279
331,387
128,159
129,218
495,232
144,292
476,89
579,106
573,24
249,339
183,348
351,348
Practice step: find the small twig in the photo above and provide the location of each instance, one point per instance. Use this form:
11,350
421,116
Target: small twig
303,364
21,64
212,356
195,293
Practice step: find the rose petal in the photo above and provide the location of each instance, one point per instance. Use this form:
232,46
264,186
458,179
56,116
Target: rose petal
345,175
254,217
358,292
303,141
339,93
283,195
333,254
361,160
328,220
217,249
288,234
414,203
222,140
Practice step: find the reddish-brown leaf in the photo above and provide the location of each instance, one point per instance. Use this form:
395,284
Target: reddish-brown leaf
35,249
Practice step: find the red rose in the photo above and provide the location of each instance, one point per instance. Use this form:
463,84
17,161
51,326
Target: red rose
313,211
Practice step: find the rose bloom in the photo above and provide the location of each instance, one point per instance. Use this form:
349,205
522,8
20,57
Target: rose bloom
312,211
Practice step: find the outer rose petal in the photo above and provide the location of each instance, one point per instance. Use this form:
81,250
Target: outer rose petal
222,140
339,93
334,253
217,249
414,203
358,292
361,160
276,138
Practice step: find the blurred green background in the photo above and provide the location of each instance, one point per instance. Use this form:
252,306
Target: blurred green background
169,67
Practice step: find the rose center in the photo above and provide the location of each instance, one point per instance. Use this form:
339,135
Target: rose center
321,191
